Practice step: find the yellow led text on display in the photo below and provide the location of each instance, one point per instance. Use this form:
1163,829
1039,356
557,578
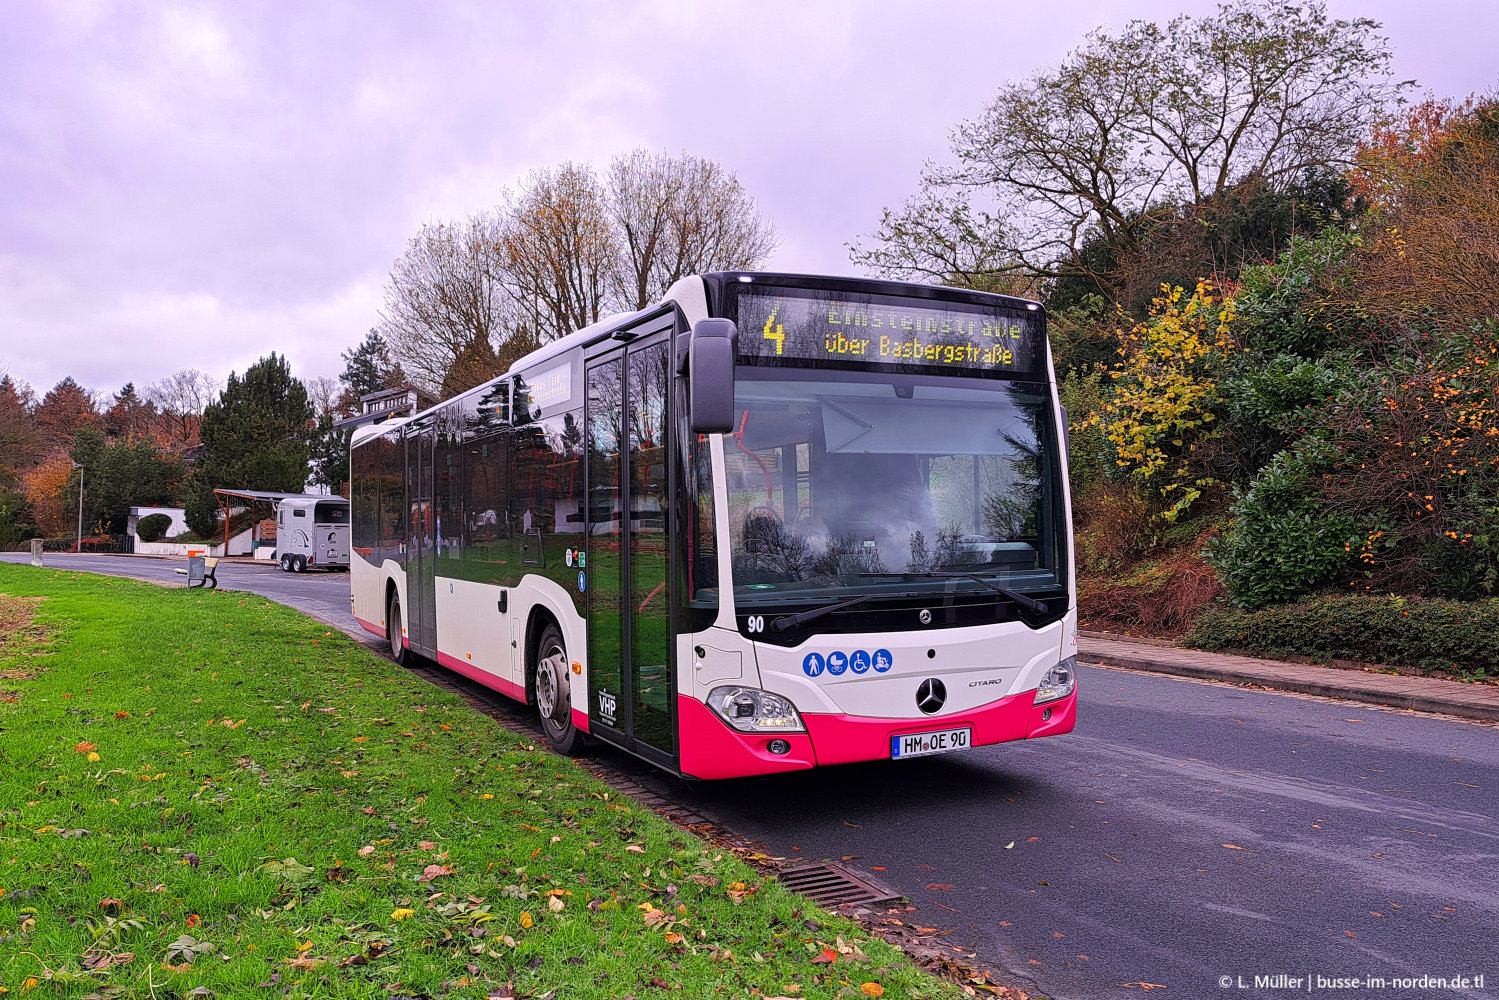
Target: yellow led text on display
811,326
924,322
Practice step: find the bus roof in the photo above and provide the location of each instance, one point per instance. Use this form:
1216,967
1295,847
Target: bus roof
690,294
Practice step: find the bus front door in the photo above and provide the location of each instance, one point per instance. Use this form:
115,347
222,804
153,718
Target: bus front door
421,546
631,684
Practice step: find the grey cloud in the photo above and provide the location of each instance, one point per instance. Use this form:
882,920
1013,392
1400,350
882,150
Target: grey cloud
197,184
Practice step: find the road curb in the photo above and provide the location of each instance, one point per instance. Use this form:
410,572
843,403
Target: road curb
1343,686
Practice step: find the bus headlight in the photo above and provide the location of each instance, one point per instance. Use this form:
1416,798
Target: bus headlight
751,710
1058,682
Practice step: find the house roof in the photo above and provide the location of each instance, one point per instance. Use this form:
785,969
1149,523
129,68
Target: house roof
272,497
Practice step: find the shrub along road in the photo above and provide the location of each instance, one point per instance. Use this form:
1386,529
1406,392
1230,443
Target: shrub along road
1185,832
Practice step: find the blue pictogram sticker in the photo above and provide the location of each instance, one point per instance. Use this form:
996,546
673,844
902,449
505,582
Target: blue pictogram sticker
858,661
883,661
812,665
581,582
837,663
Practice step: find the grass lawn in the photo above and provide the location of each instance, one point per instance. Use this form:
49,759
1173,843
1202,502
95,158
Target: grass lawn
211,792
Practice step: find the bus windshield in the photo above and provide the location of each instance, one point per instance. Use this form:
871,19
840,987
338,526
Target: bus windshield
833,476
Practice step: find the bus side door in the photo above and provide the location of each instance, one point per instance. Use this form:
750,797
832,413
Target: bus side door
631,681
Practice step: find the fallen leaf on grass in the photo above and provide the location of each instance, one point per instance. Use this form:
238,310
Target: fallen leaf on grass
84,747
554,904
402,913
366,851
434,871
826,957
872,989
306,962
635,848
526,921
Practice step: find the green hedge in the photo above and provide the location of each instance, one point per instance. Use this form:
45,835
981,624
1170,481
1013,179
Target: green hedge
1460,637
152,527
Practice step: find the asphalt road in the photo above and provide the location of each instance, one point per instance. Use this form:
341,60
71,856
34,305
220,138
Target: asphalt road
1184,833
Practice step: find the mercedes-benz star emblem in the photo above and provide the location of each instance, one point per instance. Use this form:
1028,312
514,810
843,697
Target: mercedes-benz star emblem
925,616
931,695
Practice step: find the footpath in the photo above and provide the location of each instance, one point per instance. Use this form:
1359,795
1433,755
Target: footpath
1423,694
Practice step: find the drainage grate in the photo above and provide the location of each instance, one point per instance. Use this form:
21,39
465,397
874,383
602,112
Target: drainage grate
832,885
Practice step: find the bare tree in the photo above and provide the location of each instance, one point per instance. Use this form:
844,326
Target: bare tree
323,393
468,299
677,216
938,237
445,296
559,248
1166,115
181,397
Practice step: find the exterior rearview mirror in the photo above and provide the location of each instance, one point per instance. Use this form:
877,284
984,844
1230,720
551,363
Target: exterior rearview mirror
710,376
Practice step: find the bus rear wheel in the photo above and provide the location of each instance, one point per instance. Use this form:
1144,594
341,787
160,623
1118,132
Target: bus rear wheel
393,625
554,694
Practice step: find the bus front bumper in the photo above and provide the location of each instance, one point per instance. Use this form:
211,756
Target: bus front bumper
711,749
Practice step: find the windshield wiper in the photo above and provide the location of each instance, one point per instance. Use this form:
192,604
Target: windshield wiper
1005,592
791,621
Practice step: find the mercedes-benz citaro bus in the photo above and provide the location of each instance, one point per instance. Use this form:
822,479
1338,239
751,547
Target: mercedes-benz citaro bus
772,523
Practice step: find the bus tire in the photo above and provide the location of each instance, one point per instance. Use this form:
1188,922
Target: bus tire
553,689
393,636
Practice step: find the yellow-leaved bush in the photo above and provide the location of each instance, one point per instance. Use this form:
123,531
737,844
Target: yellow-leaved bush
1166,402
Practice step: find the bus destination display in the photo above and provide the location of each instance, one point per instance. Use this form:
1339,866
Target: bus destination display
806,325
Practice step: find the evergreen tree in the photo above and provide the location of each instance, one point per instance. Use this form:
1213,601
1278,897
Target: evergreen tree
255,437
329,453
19,447
119,474
66,409
131,415
368,368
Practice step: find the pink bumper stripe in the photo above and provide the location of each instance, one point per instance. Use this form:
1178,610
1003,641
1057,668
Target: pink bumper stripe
843,739
710,749
370,627
503,685
580,721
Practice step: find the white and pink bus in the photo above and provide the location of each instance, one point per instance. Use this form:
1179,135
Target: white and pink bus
772,523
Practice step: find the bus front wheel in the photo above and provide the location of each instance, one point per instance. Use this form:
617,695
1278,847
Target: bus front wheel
554,694
393,626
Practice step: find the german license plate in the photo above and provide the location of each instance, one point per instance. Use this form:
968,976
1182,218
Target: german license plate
921,744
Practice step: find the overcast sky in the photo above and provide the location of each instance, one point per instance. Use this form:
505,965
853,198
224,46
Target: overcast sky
194,185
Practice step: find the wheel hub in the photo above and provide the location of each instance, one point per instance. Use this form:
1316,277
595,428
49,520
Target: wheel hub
552,687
